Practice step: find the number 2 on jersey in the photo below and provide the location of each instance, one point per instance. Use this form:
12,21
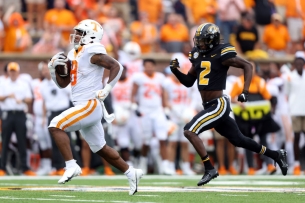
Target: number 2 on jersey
73,73
206,65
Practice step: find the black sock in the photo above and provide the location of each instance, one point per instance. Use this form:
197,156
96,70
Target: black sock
269,153
207,163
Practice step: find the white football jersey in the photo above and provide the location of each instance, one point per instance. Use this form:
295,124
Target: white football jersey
134,67
178,94
121,92
86,78
150,90
38,101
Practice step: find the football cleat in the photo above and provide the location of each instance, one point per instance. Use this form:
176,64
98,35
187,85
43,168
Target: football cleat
208,175
281,160
70,173
134,182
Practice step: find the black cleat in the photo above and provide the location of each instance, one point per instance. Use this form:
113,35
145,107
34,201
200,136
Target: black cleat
281,160
208,175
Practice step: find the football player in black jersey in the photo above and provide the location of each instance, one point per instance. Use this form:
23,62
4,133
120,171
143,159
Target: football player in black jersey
210,63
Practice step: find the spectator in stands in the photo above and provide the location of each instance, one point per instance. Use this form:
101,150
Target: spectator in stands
50,42
263,10
280,6
173,34
17,38
63,19
294,88
83,9
153,9
144,33
247,35
15,95
277,44
114,24
35,13
123,9
229,14
196,9
295,17
2,33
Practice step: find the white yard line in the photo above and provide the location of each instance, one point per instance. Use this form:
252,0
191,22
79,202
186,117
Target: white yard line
170,189
64,200
233,195
159,177
61,196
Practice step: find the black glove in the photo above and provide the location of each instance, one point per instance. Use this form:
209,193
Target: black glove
174,63
138,113
243,97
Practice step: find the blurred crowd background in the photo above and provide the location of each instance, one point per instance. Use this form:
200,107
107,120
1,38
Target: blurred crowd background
269,33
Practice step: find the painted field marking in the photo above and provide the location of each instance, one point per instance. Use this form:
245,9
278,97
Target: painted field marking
61,196
162,183
158,177
233,195
148,195
64,200
167,189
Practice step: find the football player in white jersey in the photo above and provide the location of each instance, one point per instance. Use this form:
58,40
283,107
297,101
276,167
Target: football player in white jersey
40,124
126,125
89,59
180,113
148,100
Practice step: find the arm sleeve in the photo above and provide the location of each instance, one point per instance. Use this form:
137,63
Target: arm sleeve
187,80
53,76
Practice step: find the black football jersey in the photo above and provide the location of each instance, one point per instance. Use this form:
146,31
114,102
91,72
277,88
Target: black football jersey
211,74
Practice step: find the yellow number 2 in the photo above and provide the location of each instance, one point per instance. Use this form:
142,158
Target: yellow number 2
206,65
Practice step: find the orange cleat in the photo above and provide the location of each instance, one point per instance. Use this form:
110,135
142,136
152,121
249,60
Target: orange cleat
179,172
271,169
222,170
297,170
85,171
29,173
251,171
233,171
2,173
108,171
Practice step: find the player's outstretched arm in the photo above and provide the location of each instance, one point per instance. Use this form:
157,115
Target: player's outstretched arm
243,64
187,80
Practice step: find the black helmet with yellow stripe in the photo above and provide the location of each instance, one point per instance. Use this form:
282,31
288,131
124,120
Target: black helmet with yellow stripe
207,36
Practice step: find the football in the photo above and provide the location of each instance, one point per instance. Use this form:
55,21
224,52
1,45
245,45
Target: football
64,70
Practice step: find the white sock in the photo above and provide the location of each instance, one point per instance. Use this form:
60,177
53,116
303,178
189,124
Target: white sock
290,152
130,172
70,163
296,163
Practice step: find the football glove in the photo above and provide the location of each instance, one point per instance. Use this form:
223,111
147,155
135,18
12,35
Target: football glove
174,63
243,97
57,59
134,107
167,113
103,93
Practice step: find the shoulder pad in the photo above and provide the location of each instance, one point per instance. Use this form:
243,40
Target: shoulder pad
227,48
95,48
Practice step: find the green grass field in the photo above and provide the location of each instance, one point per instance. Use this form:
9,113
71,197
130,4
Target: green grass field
154,189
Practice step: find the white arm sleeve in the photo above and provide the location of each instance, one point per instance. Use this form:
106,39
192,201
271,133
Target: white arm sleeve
117,77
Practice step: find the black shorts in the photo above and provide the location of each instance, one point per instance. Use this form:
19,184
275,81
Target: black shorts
213,114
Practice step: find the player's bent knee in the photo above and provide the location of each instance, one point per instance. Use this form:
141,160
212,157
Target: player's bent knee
188,134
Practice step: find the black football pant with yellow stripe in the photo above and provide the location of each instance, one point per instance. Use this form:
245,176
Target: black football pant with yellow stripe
216,115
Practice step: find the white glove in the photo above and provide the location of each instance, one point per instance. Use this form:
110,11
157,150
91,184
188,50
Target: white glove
103,93
57,59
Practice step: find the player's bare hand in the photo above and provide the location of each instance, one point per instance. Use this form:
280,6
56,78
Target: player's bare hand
174,63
